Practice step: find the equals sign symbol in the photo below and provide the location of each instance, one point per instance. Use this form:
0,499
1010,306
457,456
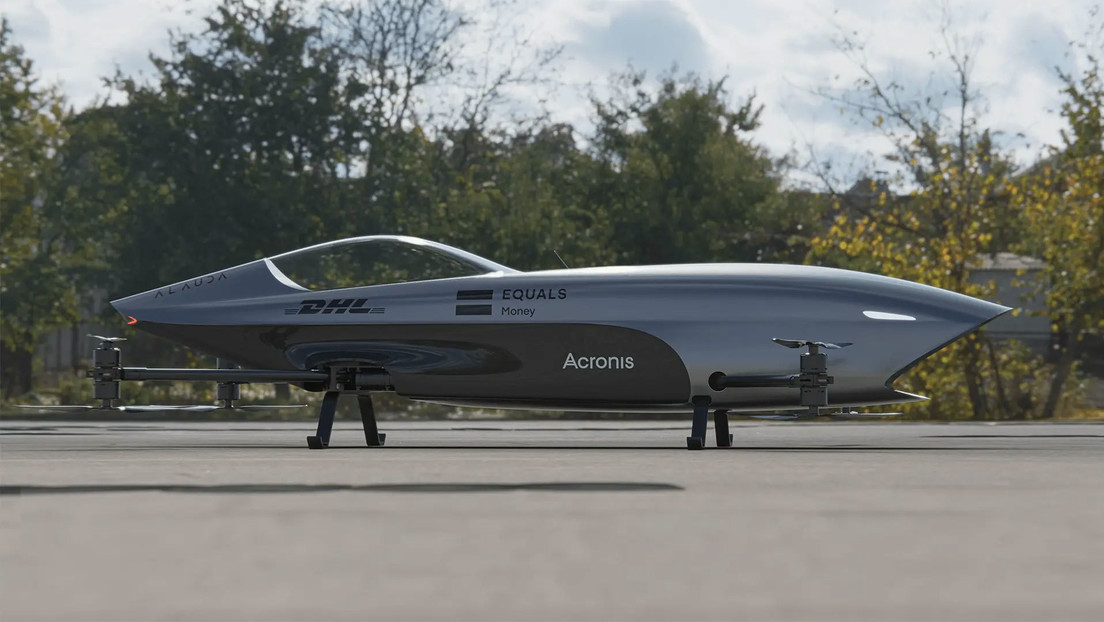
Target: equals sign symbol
474,294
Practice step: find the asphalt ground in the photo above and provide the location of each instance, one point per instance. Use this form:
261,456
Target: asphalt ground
551,521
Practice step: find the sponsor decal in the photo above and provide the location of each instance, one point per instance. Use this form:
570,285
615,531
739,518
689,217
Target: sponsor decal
184,286
335,306
548,293
475,294
518,294
473,309
598,362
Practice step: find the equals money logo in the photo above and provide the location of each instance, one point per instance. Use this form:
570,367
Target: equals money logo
467,295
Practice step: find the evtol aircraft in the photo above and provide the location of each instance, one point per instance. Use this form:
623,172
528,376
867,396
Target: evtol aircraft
435,323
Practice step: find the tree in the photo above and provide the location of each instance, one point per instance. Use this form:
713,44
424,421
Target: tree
1063,203
518,197
238,145
948,205
424,77
679,178
37,292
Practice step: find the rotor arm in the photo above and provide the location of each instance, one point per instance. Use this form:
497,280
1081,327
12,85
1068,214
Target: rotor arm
720,381
221,375
813,380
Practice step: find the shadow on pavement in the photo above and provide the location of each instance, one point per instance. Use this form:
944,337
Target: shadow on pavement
674,447
1024,436
299,488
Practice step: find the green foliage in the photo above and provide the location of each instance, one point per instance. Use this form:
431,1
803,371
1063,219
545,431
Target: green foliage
40,242
935,235
280,124
515,199
679,179
234,146
1063,205
956,209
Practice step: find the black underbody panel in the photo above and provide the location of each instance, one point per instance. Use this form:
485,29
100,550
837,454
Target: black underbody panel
545,363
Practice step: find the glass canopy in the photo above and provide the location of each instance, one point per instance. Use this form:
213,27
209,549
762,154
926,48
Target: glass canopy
379,260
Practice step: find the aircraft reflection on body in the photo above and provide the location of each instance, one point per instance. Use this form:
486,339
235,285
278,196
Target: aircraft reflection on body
435,323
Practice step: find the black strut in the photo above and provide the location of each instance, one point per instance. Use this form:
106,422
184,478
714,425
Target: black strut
321,438
372,436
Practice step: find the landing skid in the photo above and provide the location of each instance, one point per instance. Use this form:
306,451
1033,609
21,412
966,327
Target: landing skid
720,423
696,440
321,439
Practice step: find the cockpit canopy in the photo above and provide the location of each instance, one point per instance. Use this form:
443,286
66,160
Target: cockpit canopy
379,260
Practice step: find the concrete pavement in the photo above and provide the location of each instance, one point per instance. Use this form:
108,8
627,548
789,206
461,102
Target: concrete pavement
550,521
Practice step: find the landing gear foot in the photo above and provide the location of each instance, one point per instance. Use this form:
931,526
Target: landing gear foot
696,440
720,422
321,438
372,436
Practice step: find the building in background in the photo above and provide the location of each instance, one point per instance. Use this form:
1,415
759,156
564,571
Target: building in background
1016,280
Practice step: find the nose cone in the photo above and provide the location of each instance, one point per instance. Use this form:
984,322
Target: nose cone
978,312
965,316
205,299
130,307
951,317
926,303
902,323
130,304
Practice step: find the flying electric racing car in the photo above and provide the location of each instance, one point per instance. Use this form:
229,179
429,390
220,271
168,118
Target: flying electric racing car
435,323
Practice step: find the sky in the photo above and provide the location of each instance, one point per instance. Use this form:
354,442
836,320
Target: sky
780,50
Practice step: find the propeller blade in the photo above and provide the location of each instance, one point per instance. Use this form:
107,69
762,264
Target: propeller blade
149,408
833,346
858,415
108,339
65,408
267,406
799,343
154,408
770,417
790,343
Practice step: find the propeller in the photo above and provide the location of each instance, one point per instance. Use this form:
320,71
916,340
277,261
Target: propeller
798,343
107,339
152,408
265,406
790,417
837,415
858,415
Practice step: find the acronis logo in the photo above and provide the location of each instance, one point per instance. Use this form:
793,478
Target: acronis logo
598,362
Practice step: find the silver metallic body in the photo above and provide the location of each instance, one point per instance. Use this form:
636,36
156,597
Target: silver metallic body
716,317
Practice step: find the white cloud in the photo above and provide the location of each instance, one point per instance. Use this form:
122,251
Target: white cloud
76,43
779,50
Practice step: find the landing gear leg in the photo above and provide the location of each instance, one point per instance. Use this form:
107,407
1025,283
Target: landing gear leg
321,438
372,434
696,440
720,422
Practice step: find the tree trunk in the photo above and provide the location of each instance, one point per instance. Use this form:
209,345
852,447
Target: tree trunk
1068,354
1002,398
978,401
15,379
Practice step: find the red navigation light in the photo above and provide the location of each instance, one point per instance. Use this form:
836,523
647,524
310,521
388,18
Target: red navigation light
133,320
